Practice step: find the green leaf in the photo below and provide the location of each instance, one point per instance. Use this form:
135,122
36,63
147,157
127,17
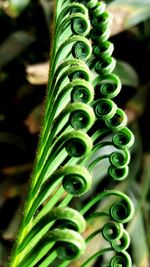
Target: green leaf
139,245
18,5
127,14
14,45
126,73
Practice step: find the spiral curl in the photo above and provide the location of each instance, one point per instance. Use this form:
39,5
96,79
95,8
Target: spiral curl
104,50
77,22
112,231
121,259
104,108
105,65
78,72
120,159
81,50
87,91
82,116
108,86
78,90
82,91
102,21
121,211
79,47
122,243
77,115
118,174
75,144
69,244
80,25
73,175
77,180
101,35
118,121
78,144
63,70
66,72
123,139
103,61
64,217
72,8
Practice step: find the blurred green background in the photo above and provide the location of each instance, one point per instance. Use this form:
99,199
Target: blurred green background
25,40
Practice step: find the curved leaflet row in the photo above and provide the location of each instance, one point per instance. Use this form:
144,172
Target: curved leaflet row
107,86
65,236
68,116
120,212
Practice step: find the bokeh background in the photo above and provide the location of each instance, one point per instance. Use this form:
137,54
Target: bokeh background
25,41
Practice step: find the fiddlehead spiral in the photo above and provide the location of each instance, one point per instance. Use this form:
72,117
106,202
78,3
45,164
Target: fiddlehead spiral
118,121
123,139
71,244
104,108
82,92
102,21
118,174
82,116
77,144
103,67
122,243
120,159
121,211
97,8
119,240
107,86
122,259
104,50
81,49
80,26
112,231
76,115
67,73
77,180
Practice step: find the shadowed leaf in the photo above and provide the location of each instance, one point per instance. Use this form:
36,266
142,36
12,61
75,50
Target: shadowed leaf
18,5
14,45
126,73
128,13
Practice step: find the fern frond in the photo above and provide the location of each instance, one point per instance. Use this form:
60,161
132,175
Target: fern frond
79,112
